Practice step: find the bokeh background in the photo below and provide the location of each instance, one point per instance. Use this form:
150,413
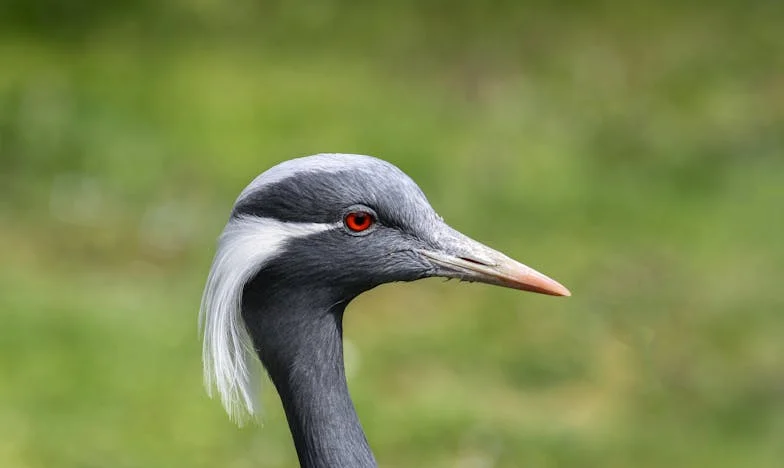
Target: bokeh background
632,150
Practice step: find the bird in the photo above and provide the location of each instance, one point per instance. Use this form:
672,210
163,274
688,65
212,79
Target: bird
303,239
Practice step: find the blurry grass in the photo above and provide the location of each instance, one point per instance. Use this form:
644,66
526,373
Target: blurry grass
640,166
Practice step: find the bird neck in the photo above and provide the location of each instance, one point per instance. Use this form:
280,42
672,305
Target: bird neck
299,339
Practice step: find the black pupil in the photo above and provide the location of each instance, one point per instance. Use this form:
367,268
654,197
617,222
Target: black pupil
360,218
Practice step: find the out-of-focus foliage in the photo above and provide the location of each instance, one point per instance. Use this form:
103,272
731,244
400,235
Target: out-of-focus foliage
633,150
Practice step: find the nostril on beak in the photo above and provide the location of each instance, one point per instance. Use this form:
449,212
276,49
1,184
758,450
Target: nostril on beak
474,261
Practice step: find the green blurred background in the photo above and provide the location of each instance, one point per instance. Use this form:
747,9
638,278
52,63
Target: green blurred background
632,150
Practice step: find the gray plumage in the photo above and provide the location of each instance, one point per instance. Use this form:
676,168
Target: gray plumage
288,264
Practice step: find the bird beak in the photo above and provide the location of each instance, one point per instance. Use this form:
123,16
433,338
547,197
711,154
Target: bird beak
459,256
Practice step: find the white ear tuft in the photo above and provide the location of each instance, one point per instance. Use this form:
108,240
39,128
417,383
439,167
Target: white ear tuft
231,364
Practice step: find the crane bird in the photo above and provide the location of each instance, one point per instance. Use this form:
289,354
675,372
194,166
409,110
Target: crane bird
305,238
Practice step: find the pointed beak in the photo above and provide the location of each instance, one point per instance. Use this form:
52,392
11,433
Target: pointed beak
459,256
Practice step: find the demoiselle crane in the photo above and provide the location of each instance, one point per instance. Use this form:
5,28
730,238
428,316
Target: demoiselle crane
304,239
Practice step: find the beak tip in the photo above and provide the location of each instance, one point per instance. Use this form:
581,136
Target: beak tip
536,282
554,289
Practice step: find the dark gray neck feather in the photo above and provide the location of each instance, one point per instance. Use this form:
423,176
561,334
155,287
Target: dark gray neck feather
299,338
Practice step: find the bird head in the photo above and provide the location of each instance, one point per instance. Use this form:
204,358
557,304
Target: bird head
351,222
338,223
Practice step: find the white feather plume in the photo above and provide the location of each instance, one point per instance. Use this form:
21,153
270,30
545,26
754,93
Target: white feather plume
231,364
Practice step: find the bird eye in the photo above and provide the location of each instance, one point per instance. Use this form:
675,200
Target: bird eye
358,221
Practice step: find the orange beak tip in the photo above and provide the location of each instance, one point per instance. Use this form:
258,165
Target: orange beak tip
556,290
536,282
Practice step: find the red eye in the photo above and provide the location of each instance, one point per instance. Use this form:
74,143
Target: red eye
359,221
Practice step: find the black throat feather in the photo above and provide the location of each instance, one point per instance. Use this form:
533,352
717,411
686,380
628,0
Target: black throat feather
298,335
